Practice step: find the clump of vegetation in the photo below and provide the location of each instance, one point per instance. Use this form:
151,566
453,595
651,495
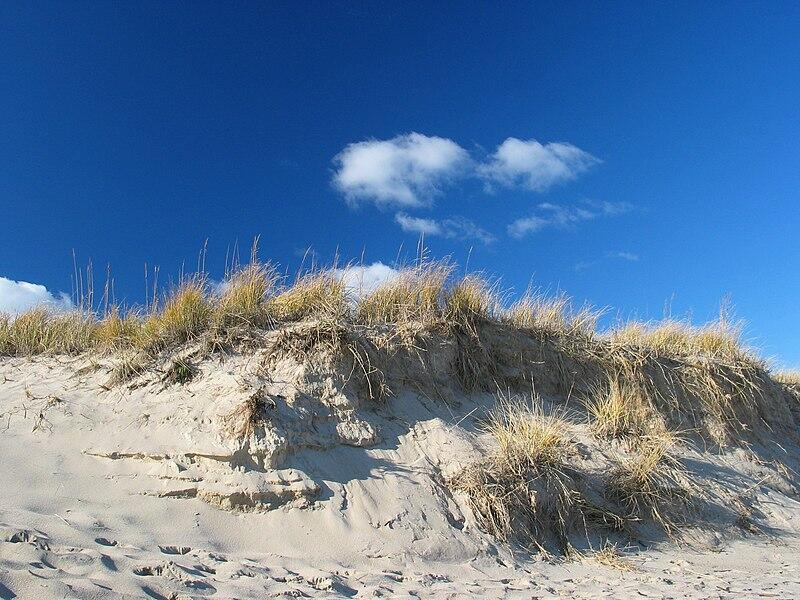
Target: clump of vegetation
552,315
316,295
696,377
244,297
179,371
43,330
720,340
116,331
524,488
653,484
470,301
128,367
790,378
611,556
415,295
620,408
186,314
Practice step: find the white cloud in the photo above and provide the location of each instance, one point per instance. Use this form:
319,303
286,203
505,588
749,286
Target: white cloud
526,225
417,225
588,264
452,228
612,208
18,296
406,170
360,280
554,215
535,166
629,256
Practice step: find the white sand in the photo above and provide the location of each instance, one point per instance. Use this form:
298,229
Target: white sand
139,493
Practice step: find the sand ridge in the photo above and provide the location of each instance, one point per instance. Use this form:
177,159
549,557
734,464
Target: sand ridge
139,490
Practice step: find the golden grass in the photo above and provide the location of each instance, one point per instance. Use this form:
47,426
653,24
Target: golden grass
470,301
186,314
620,408
42,330
788,377
640,373
526,438
523,489
116,331
720,340
414,296
316,295
653,484
244,299
554,315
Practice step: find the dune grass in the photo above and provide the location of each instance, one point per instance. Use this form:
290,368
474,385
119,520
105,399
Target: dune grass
524,490
414,296
185,315
553,315
470,301
788,377
719,340
636,370
652,484
318,294
621,407
42,330
243,299
117,331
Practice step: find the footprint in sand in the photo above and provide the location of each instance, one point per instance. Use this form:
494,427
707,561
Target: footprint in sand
175,549
19,536
105,542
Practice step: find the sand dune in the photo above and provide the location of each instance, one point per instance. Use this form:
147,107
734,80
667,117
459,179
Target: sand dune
272,475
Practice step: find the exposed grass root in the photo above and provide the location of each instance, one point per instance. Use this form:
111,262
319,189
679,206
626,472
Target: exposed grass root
179,371
243,420
129,366
329,342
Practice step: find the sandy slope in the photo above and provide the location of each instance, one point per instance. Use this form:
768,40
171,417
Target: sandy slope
137,491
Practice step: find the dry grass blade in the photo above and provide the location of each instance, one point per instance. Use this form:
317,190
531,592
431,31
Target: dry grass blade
611,556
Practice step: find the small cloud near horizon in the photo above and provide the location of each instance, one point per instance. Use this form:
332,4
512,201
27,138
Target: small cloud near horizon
360,280
18,296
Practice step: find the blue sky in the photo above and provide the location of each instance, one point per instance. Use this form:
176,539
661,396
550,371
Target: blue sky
636,155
